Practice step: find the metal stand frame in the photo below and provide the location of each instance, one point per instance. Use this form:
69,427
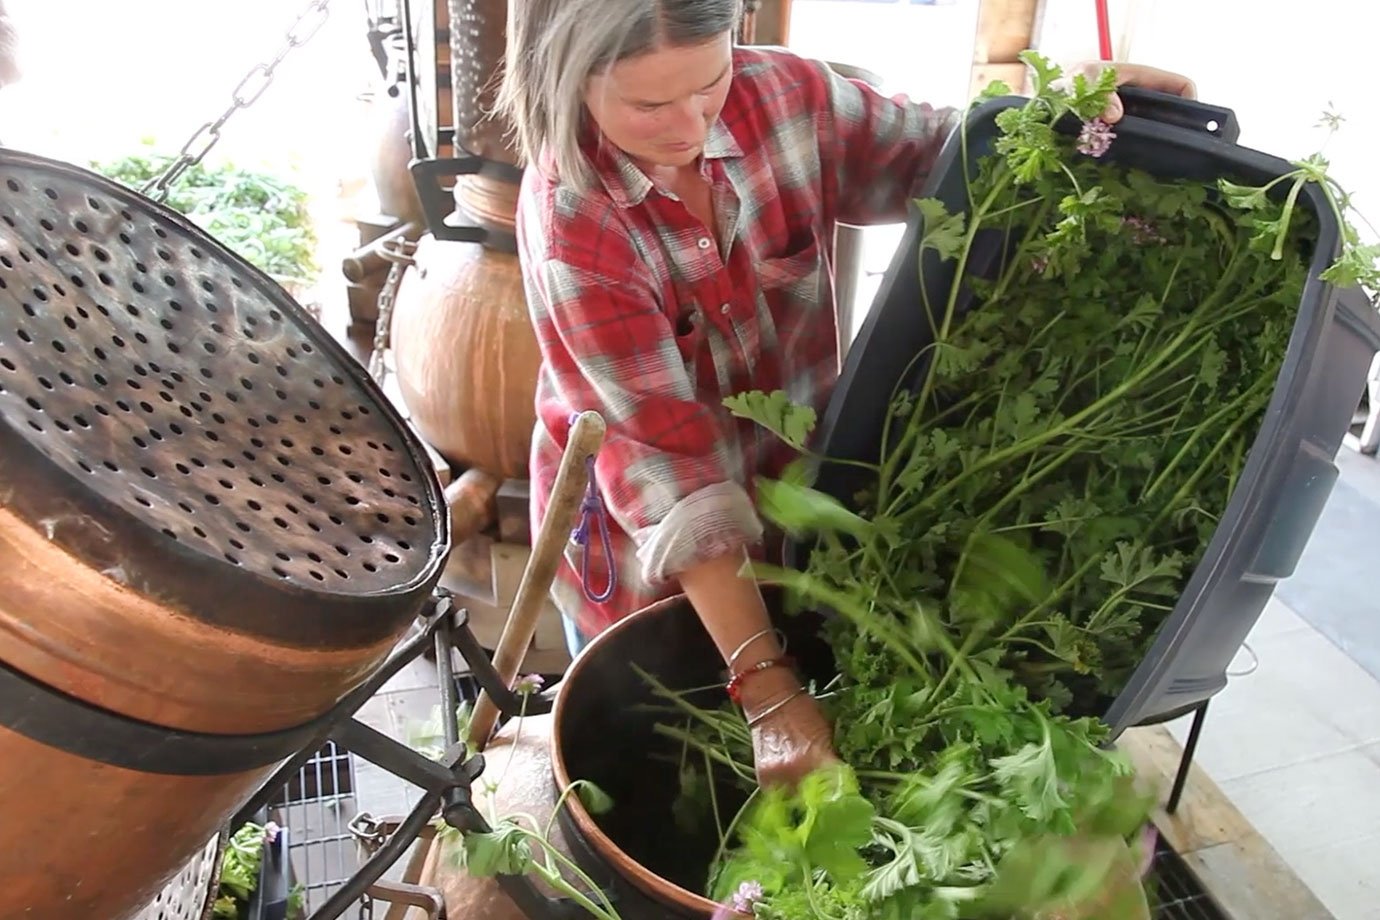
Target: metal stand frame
1186,759
446,783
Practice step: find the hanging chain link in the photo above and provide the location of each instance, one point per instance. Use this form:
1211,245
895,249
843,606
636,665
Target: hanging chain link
401,253
245,94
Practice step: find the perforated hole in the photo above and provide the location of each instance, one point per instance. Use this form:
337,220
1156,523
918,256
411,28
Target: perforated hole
137,360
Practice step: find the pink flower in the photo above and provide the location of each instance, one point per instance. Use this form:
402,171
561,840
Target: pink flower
1148,840
1095,138
271,833
744,899
1039,264
532,683
1142,231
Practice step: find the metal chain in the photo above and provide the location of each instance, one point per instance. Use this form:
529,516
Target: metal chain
245,94
366,907
401,253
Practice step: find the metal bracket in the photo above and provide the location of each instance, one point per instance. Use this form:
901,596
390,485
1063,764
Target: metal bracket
447,782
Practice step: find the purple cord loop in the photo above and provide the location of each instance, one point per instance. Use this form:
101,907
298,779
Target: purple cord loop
592,508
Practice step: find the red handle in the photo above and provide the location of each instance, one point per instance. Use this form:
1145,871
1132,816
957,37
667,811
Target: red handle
1104,30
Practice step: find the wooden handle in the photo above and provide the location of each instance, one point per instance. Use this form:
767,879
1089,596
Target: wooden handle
586,436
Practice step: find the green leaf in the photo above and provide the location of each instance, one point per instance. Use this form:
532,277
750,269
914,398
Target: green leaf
943,232
998,565
1132,566
1090,98
1247,197
799,510
595,800
1043,72
1048,875
502,851
1356,265
1211,365
1144,313
775,412
1030,778
995,89
842,826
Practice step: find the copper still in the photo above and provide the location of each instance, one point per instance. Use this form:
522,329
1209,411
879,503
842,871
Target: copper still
465,353
212,527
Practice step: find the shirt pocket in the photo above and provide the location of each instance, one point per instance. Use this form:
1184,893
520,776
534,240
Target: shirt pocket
687,328
795,304
795,275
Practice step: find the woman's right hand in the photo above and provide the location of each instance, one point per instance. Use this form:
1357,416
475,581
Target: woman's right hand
791,737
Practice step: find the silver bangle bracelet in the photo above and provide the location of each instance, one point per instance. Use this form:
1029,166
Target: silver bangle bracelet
733,659
755,720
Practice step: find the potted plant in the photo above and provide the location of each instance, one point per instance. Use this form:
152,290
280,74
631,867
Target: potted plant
262,217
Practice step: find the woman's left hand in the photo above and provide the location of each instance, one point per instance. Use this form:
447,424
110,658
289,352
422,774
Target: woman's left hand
1151,78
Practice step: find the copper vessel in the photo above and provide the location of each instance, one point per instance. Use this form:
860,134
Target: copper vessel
477,43
600,697
635,849
466,354
212,527
477,34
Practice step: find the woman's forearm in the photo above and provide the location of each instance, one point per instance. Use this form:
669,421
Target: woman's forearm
731,608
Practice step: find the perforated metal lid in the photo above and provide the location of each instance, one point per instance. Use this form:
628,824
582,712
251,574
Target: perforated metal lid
174,386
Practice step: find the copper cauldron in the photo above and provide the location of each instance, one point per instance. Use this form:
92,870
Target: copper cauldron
599,735
212,527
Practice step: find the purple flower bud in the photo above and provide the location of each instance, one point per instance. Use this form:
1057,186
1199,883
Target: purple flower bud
1039,264
747,895
1149,839
1095,138
529,684
1142,231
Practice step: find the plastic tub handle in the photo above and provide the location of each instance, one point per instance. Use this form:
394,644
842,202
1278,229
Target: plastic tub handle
1183,113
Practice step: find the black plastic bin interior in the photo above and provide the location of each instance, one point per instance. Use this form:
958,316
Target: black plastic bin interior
1290,471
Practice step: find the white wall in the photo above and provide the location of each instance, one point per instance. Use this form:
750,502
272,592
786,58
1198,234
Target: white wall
101,74
922,50
1277,63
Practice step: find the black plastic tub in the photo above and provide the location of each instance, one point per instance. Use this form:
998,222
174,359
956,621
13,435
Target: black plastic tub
1290,471
272,898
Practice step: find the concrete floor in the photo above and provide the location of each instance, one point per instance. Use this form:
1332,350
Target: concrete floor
1295,744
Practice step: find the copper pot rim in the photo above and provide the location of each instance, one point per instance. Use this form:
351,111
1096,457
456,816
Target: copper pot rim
640,876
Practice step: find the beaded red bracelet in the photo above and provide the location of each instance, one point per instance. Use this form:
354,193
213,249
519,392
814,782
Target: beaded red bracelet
735,684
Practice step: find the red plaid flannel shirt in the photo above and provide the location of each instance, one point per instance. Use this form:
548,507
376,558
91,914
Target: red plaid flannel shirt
639,317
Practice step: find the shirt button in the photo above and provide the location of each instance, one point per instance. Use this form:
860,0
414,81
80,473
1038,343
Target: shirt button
704,242
723,308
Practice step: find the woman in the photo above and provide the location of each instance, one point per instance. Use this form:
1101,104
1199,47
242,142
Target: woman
674,230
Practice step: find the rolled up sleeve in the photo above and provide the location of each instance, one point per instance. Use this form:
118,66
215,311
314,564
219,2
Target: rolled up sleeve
666,470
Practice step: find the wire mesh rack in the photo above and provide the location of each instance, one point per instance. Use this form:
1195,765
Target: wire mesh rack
316,806
1176,893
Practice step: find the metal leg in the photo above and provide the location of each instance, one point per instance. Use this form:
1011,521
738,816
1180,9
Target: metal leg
1186,761
446,783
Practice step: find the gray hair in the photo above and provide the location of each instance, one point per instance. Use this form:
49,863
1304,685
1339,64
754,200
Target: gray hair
555,46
